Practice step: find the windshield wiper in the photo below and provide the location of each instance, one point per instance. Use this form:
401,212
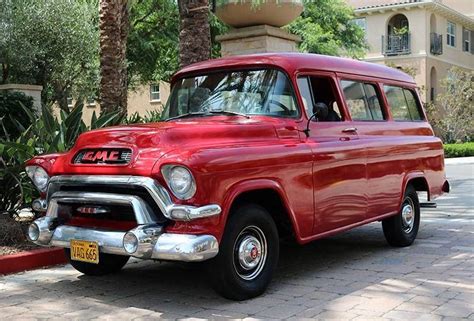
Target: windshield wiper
211,112
228,112
199,113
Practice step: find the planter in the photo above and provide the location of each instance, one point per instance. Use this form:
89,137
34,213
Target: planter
241,13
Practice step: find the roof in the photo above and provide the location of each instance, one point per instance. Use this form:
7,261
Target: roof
434,5
294,62
389,4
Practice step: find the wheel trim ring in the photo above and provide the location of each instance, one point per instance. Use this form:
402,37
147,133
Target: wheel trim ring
408,215
253,233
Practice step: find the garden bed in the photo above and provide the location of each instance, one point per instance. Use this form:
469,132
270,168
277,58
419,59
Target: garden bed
17,254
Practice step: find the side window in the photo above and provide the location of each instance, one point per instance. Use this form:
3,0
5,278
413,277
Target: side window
413,107
373,102
402,103
319,91
305,91
323,94
362,100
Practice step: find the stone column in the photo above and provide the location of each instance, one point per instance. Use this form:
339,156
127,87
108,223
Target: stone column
257,39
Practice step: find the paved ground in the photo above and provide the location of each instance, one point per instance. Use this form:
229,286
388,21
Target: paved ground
354,276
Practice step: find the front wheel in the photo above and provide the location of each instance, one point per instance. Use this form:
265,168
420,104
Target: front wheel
401,230
108,263
248,254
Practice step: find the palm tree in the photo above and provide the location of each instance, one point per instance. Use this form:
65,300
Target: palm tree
195,33
113,25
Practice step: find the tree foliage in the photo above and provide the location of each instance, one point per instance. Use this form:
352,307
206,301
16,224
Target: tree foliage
152,49
452,113
326,27
53,43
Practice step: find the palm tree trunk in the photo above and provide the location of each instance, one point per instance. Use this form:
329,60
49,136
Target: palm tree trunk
195,33
113,25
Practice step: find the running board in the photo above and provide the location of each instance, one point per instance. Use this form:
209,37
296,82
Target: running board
428,204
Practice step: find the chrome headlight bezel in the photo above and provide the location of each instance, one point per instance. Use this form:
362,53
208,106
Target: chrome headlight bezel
39,177
172,173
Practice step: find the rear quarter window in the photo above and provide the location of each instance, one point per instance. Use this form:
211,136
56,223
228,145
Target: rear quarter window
402,103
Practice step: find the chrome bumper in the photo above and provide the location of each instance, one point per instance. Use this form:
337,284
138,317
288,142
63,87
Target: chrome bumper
152,242
162,246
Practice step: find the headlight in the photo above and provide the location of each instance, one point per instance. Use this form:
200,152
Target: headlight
180,180
39,177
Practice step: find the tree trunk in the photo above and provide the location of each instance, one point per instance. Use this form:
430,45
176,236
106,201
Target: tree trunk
195,32
113,25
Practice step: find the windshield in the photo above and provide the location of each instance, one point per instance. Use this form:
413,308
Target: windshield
247,92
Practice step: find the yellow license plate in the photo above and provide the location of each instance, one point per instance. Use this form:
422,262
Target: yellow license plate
85,251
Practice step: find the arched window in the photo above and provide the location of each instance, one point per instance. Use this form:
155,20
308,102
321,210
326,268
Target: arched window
398,36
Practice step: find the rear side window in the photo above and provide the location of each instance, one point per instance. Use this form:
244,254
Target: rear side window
362,100
402,103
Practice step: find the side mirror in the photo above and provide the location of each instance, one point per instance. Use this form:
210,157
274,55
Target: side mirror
320,111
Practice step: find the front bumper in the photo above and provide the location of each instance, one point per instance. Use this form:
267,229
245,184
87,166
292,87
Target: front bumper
153,245
151,240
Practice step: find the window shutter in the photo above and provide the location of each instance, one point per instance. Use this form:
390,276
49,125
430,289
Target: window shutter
471,44
463,38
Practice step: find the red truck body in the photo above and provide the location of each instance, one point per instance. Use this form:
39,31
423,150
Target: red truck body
340,175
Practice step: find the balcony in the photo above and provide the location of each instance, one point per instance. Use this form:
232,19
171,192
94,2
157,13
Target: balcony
436,43
395,45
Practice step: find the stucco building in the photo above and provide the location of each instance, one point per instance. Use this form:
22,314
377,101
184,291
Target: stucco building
144,98
427,36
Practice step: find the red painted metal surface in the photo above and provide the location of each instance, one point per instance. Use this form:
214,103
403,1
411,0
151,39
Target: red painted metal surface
328,182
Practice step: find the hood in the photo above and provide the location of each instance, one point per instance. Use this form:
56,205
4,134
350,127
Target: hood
149,142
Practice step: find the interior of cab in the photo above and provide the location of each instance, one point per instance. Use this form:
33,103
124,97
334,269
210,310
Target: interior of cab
319,98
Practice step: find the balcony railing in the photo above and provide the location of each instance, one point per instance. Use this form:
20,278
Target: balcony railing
436,43
393,45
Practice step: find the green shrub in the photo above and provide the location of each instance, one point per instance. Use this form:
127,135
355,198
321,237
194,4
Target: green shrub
45,135
459,150
12,113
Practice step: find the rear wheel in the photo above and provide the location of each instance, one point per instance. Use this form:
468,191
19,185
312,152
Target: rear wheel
108,263
248,254
401,230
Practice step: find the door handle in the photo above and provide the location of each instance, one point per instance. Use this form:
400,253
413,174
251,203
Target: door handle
350,130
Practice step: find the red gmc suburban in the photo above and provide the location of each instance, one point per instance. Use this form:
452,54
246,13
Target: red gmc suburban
251,149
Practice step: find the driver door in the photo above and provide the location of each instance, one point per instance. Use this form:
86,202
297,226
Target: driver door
339,160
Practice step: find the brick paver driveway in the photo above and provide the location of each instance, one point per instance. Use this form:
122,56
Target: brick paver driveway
355,275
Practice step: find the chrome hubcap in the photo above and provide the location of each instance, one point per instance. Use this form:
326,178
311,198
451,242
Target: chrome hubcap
408,215
250,253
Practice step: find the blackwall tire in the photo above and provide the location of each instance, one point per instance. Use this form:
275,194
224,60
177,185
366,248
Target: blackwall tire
108,263
248,254
401,230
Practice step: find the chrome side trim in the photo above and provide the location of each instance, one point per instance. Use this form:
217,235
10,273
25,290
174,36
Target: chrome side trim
143,213
159,194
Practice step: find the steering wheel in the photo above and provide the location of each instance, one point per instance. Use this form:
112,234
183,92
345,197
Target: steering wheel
278,104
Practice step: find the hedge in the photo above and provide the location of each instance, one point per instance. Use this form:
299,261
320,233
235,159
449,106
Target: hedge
459,150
